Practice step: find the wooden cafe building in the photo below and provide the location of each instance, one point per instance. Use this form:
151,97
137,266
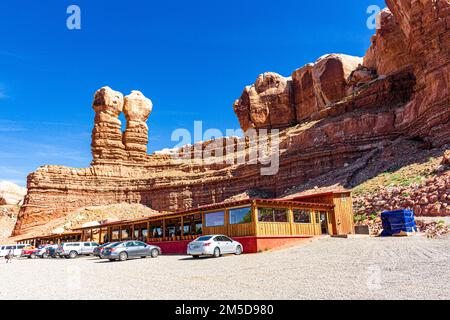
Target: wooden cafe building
259,224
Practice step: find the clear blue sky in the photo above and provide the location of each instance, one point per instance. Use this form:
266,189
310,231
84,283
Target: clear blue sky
192,58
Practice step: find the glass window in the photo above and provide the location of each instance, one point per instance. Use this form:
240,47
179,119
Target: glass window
125,233
317,217
186,229
302,215
156,232
241,215
265,214
215,219
115,235
273,214
280,215
198,228
87,244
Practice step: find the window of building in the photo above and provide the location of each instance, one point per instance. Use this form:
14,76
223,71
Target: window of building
115,235
199,228
265,214
240,215
280,215
272,214
125,233
215,219
302,215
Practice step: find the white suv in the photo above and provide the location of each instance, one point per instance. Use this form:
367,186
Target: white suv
73,249
16,249
215,246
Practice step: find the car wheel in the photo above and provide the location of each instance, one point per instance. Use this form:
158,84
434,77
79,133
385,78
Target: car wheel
238,250
73,254
216,253
44,256
154,253
123,256
196,257
32,256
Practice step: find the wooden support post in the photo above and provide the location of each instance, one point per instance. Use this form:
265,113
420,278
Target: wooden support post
164,229
255,218
132,232
291,220
100,235
92,234
203,222
148,231
120,233
182,228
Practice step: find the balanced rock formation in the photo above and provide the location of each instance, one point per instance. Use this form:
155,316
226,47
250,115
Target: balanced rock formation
107,133
342,120
137,109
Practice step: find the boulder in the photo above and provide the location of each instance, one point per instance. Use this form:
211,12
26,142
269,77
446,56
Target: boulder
266,104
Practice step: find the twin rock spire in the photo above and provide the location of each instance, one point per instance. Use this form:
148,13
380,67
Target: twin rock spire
109,143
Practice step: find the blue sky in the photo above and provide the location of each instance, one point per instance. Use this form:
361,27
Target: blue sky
191,58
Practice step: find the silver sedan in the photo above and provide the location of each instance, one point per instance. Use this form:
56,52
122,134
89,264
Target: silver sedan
213,245
130,249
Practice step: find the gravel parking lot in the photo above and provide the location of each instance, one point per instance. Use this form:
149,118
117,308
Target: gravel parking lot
328,268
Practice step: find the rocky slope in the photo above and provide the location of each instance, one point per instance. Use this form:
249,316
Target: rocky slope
422,186
8,218
343,120
11,194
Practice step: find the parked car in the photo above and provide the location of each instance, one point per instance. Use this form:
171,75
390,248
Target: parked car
74,249
16,249
213,245
46,250
130,249
30,252
98,250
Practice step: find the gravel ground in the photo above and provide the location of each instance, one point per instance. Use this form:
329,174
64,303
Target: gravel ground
327,268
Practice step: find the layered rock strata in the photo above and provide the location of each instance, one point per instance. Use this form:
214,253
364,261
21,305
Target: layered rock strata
336,117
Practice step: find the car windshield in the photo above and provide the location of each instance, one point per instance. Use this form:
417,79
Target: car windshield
206,238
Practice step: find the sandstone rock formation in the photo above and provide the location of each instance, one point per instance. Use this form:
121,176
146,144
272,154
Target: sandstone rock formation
278,102
267,103
321,84
339,118
137,109
11,194
107,134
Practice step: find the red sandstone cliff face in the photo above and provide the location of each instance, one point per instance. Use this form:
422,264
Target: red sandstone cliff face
339,116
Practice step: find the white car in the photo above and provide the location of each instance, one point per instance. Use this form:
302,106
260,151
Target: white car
215,245
16,249
73,249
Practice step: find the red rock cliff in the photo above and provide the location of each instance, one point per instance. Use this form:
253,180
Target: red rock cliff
337,117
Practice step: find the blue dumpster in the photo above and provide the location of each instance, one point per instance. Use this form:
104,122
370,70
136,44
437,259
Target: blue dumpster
397,222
